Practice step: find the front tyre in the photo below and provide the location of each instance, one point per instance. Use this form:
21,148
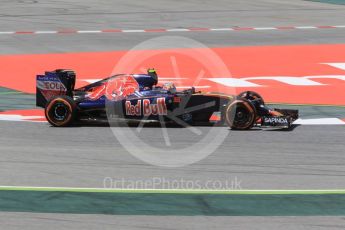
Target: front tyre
61,111
240,114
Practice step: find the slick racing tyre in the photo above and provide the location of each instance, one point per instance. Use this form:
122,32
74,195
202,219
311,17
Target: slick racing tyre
60,111
240,114
251,95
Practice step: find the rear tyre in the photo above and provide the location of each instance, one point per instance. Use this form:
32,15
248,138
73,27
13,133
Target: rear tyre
61,111
240,114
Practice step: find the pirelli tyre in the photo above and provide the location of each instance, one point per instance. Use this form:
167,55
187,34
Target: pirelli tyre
61,111
240,114
251,95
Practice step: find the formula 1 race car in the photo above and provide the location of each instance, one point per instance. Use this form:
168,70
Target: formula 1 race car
136,97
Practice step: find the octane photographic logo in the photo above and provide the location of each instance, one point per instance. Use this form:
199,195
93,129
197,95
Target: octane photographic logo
163,145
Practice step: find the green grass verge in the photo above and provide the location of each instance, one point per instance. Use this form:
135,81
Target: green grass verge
337,2
173,202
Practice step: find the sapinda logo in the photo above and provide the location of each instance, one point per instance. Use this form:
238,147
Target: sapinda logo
275,120
148,109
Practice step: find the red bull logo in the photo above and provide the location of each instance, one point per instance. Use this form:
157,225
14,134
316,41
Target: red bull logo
147,108
133,110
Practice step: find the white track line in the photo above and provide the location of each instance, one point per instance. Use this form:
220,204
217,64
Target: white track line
17,117
265,28
177,30
306,27
300,121
46,32
221,29
171,30
88,31
320,121
133,31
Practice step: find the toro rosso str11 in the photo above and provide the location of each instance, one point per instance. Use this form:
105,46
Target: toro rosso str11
137,97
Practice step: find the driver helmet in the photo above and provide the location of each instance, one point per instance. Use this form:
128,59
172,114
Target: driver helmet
152,73
170,87
252,96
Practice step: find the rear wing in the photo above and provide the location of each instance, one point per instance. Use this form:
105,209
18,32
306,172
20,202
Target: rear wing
54,83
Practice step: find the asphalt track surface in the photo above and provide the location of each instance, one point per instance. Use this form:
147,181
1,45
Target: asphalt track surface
309,157
91,15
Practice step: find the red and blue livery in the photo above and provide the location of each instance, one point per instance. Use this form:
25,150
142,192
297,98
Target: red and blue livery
138,97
